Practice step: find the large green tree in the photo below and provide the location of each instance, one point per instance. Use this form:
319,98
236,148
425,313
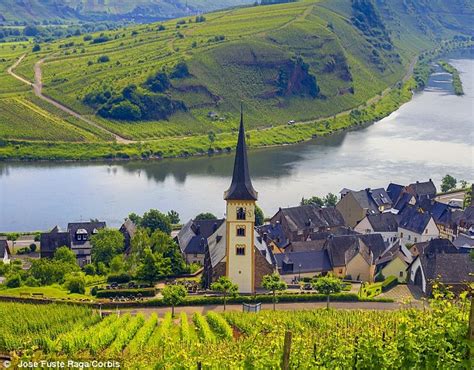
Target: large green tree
328,285
174,295
106,244
448,183
156,220
65,254
259,216
148,270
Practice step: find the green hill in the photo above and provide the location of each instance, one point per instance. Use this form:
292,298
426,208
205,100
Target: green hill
171,84
90,10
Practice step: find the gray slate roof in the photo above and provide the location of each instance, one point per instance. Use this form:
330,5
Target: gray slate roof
310,261
310,217
414,219
422,189
342,248
4,247
383,222
192,238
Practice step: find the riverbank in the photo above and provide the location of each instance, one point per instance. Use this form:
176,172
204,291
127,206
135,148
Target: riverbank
457,83
377,108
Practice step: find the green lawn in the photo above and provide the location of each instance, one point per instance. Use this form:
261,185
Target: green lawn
52,291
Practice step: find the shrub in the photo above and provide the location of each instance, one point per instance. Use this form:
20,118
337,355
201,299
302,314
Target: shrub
31,281
33,247
76,283
100,39
159,82
13,281
180,70
36,48
89,269
103,59
389,283
87,38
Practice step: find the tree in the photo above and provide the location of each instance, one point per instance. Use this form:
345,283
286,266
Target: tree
330,200
174,295
212,137
64,254
148,271
168,254
327,285
225,286
205,216
180,70
155,220
448,183
106,244
89,269
36,48
273,283
75,283
317,201
136,219
173,217
117,265
259,216
140,242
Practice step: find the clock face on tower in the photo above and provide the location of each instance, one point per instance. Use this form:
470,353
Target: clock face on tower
249,213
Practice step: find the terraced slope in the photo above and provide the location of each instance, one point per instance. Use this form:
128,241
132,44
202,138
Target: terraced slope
304,61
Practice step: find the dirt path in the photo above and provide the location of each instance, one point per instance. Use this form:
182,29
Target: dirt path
38,89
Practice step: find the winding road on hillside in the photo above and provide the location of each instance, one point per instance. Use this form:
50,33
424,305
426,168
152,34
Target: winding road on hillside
38,89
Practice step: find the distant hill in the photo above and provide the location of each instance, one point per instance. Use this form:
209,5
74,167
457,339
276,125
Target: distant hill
113,10
184,79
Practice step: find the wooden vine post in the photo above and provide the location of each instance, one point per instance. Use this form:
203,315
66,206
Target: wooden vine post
285,364
471,321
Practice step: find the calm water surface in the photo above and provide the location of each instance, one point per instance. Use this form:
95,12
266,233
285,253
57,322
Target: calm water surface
426,138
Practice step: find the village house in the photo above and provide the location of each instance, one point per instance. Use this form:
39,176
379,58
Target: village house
235,250
356,205
416,225
422,190
298,223
440,261
465,241
394,262
192,239
385,224
4,250
77,238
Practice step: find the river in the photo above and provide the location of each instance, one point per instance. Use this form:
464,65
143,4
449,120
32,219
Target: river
428,137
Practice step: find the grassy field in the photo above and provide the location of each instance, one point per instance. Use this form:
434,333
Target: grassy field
54,291
234,56
407,338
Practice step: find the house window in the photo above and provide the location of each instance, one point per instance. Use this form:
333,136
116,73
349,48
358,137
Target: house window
416,239
240,250
401,274
426,231
401,235
340,271
409,237
240,213
240,230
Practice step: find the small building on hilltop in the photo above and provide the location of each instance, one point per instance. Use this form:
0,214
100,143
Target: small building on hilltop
192,239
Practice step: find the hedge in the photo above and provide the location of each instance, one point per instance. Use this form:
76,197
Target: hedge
111,293
389,283
119,278
265,298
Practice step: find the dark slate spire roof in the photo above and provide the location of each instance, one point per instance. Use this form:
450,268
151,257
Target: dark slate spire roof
241,187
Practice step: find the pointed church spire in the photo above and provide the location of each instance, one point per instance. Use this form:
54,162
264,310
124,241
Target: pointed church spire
241,187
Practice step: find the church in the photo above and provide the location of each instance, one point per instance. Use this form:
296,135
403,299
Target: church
235,249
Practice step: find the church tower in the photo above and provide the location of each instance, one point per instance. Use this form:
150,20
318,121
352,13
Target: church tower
240,220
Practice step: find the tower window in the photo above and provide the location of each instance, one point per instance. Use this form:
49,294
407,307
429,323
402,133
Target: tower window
240,213
240,230
240,250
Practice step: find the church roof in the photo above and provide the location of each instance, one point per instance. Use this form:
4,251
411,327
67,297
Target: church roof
241,187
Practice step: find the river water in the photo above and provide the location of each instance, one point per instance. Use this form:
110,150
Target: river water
428,137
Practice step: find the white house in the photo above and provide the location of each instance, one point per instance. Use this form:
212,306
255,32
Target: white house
384,224
416,226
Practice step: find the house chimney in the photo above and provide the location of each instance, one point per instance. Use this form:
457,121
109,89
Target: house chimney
265,237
